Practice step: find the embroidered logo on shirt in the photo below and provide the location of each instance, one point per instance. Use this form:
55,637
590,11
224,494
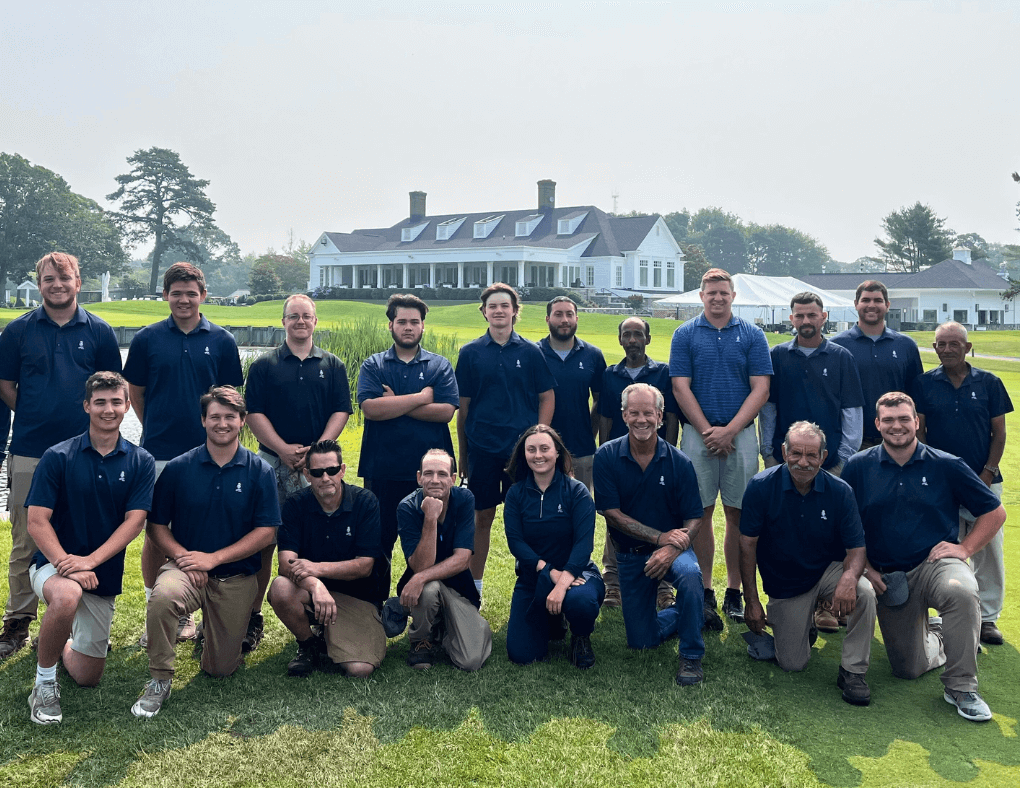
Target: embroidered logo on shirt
238,487
823,515
518,363
559,508
81,345
322,374
662,480
973,395
894,354
825,372
207,351
421,376
348,530
122,477
580,365
924,481
738,339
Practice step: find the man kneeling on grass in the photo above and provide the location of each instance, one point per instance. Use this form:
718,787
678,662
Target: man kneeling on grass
213,510
329,544
88,500
437,534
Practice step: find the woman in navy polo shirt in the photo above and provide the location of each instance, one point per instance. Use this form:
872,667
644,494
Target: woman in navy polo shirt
550,529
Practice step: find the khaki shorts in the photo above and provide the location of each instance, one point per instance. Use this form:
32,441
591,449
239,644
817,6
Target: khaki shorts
357,635
90,632
727,475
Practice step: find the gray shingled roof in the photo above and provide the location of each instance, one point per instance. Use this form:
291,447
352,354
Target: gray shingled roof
949,274
610,236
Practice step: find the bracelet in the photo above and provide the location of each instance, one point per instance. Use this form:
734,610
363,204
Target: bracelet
657,538
992,470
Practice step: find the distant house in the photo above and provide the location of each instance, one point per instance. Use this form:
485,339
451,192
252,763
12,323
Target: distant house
28,292
967,291
546,246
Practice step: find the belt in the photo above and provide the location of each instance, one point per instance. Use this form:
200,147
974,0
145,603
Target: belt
886,568
644,549
726,424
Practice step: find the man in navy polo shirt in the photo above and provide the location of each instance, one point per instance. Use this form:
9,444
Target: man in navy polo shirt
634,334
408,396
46,356
962,410
720,367
88,501
801,528
505,387
578,368
213,510
886,360
329,543
297,395
170,365
909,496
648,492
437,535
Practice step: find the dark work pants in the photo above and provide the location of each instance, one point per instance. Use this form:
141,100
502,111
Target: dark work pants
390,493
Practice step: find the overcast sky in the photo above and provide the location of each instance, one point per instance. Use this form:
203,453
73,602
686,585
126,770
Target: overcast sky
312,116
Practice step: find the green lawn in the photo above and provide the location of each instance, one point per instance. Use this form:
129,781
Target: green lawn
623,723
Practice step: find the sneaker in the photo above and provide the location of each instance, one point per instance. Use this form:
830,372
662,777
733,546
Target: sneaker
157,692
665,600
252,638
935,625
990,634
307,657
690,672
421,656
14,636
969,705
613,598
581,654
143,641
712,620
44,703
733,605
824,620
855,688
186,629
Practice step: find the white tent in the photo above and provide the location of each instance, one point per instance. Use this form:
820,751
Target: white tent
766,299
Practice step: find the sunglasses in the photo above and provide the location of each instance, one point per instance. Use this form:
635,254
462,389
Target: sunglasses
332,470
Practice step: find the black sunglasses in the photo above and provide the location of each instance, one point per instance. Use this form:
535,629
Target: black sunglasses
332,470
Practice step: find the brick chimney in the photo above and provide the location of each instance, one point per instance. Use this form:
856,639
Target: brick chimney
417,206
962,253
546,195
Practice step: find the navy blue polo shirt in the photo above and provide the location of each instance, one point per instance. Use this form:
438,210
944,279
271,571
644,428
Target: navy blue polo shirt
90,495
380,439
456,531
176,369
208,507
297,397
616,378
813,388
50,364
720,363
577,375
908,510
958,420
663,496
557,526
799,536
889,363
503,383
352,531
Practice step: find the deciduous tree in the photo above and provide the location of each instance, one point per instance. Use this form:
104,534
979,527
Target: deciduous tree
917,239
263,279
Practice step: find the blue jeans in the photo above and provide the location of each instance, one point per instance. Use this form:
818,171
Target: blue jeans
646,627
527,636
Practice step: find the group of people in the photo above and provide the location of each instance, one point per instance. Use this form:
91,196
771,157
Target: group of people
888,540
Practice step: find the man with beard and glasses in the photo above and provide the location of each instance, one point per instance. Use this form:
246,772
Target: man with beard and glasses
297,394
408,396
578,368
886,360
46,356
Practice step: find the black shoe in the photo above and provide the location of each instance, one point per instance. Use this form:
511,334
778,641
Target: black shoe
990,634
557,627
690,672
733,605
307,658
581,655
422,656
712,620
855,688
253,636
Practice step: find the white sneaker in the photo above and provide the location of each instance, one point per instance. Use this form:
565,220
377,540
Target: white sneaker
44,703
156,693
969,705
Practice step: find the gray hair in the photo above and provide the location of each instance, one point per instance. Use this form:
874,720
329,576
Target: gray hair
808,428
660,402
952,325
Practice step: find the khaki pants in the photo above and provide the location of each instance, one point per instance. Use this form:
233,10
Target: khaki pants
989,565
225,603
21,600
468,638
792,618
948,585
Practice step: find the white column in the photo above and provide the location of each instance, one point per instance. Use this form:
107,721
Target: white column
520,274
378,275
488,273
403,281
460,275
432,274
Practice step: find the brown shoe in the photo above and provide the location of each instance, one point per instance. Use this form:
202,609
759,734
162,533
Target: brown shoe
613,598
825,621
14,636
665,599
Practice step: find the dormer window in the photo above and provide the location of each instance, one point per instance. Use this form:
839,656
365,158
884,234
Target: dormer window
568,224
446,230
484,227
527,225
412,233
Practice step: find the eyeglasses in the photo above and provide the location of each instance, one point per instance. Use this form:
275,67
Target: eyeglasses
303,318
332,470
